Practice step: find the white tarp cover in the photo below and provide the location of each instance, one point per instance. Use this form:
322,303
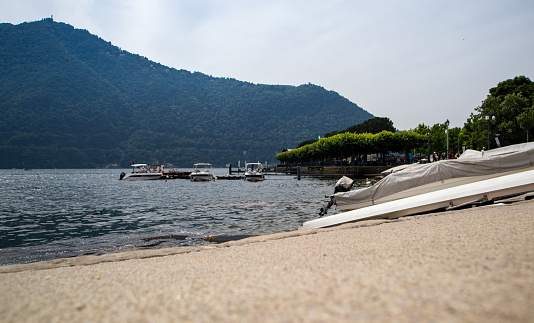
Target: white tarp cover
471,163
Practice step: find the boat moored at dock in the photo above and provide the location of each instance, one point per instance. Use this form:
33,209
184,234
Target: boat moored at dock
202,173
141,172
254,172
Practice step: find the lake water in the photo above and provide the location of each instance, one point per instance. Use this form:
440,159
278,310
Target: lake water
48,214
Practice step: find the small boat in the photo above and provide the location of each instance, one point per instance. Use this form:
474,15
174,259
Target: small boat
202,173
254,172
449,198
140,172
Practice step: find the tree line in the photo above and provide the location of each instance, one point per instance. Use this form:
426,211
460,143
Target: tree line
504,118
353,145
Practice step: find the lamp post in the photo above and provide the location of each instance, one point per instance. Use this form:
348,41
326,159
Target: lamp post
447,129
488,120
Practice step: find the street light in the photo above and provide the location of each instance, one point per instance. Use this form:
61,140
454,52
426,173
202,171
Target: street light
488,120
447,127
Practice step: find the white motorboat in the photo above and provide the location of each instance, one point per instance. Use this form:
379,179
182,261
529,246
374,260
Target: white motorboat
254,172
202,173
140,172
418,179
448,198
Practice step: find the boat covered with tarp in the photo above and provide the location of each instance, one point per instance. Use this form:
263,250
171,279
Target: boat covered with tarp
407,181
479,192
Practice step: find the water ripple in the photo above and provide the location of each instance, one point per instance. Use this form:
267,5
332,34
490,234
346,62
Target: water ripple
75,211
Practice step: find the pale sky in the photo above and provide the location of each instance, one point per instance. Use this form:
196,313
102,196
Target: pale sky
412,61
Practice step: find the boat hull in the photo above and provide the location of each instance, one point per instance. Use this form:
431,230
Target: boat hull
142,176
201,177
471,193
254,178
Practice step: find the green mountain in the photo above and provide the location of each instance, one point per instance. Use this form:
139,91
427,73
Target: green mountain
69,99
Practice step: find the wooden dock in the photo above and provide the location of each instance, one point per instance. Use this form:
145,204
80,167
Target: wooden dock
174,174
267,170
185,175
231,177
304,171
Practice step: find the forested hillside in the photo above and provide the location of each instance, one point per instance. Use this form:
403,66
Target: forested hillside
71,99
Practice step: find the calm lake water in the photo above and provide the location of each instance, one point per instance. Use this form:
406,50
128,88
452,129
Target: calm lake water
48,214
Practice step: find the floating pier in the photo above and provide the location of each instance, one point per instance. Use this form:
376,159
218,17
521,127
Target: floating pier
299,171
231,177
174,174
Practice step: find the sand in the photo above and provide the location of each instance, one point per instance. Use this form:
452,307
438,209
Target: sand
470,265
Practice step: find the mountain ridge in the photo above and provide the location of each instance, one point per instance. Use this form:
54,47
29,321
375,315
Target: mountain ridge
71,99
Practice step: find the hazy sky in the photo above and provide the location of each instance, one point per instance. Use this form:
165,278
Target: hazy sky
412,61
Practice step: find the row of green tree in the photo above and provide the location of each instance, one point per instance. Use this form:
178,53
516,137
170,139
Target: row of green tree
505,117
373,125
353,145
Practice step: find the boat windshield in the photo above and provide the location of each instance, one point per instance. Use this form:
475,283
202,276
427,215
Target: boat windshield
253,166
202,166
140,168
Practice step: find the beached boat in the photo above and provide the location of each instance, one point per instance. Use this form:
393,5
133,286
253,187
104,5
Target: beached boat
407,181
202,173
449,198
140,172
254,172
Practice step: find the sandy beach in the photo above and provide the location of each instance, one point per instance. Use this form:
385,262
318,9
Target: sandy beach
470,265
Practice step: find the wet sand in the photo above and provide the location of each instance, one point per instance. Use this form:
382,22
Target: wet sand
470,265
